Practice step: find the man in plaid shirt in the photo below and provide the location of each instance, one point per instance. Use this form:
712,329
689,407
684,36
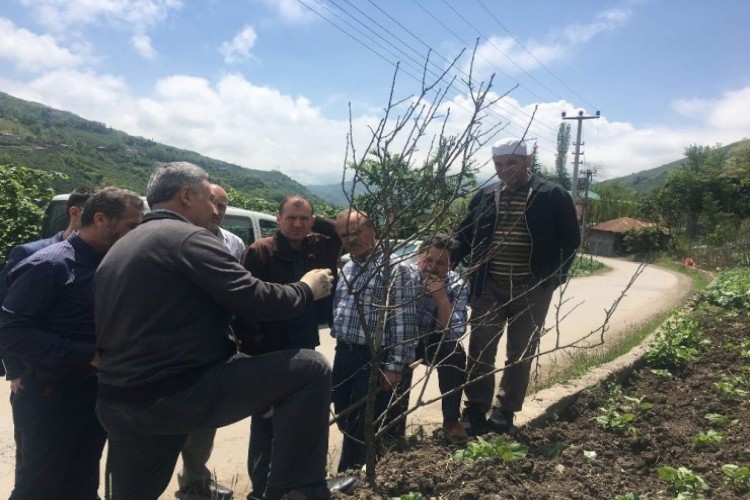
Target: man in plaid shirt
442,316
361,290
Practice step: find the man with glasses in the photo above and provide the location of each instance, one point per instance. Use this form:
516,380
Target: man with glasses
521,235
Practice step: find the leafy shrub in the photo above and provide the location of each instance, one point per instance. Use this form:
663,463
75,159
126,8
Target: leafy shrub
678,341
498,448
738,478
683,481
731,289
585,266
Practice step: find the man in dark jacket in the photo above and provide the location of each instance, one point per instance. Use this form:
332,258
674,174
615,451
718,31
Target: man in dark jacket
303,242
521,235
47,325
164,298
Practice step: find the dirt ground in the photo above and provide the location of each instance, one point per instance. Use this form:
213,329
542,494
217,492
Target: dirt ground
560,464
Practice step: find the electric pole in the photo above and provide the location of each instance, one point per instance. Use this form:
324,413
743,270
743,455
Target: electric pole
578,144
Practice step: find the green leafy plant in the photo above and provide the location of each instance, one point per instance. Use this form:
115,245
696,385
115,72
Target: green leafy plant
707,439
500,448
730,386
412,495
719,420
631,496
662,373
683,481
731,289
678,341
613,420
738,478
638,403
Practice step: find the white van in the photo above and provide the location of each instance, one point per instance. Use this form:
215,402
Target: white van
246,224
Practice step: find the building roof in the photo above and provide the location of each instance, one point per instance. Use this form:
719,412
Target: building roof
621,225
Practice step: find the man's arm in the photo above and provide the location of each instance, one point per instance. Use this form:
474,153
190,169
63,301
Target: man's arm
569,234
452,314
16,255
34,291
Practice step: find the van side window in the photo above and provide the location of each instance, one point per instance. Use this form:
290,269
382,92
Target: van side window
267,227
240,226
55,218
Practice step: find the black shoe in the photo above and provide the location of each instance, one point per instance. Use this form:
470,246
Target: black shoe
343,484
474,421
210,490
501,420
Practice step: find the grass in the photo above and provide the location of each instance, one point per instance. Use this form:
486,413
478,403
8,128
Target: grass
580,362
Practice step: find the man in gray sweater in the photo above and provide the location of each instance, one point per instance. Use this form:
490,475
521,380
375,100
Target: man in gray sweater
164,298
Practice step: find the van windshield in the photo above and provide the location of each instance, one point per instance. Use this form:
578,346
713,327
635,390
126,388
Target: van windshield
55,218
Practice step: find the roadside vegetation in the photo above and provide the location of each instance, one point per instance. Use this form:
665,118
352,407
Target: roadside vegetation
676,428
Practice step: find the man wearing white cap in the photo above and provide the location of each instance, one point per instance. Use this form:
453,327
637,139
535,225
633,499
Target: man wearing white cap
521,234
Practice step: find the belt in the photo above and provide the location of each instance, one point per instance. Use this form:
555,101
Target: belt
343,345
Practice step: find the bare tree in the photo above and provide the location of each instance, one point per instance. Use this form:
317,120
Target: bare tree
417,167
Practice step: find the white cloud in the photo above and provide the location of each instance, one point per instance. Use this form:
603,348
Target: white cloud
503,53
61,14
259,127
239,47
142,45
691,108
293,12
28,51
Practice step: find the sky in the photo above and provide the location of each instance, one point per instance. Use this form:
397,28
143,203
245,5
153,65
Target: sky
279,84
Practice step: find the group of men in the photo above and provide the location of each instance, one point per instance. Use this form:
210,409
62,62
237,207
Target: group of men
187,331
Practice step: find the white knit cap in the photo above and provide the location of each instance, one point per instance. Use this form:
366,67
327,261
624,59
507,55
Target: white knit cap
509,147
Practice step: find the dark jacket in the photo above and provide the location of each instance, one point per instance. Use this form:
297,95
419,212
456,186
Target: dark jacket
164,295
551,221
272,259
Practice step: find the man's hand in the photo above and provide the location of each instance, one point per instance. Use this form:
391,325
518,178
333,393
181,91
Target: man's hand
15,385
320,282
389,380
433,284
96,361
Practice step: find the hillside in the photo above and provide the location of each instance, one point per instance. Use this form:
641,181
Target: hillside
91,153
642,182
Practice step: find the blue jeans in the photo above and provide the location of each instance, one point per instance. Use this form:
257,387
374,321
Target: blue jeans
147,436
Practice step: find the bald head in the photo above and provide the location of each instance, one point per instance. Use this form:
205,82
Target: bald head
221,201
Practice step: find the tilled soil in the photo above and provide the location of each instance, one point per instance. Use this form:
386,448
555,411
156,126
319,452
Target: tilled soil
560,463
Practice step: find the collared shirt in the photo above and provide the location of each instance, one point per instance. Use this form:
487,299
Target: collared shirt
427,310
234,243
47,318
361,284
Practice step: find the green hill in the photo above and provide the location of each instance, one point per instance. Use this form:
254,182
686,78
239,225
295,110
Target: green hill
91,153
642,182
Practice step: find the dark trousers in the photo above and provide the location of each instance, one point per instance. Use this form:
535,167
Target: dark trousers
195,456
146,436
351,379
60,438
259,453
450,359
523,312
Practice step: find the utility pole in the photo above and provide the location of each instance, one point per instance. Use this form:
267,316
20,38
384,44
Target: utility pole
578,144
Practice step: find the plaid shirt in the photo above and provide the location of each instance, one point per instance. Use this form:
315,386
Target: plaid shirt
427,310
360,284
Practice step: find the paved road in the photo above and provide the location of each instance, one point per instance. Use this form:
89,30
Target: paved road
581,309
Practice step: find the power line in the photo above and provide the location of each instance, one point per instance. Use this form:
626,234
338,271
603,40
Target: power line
541,64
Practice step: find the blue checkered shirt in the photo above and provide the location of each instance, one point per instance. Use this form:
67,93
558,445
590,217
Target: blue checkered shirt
427,310
360,284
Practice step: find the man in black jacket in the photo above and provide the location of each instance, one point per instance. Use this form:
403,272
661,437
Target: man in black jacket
164,298
521,234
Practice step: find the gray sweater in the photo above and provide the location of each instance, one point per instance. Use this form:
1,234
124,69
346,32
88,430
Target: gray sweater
164,295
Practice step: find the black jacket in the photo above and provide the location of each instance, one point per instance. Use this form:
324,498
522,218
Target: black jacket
551,221
164,295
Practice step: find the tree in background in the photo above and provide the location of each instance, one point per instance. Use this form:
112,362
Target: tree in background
615,201
24,194
561,157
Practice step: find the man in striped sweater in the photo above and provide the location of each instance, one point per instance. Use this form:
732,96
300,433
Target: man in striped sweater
521,235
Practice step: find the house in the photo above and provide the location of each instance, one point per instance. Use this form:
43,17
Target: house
606,238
